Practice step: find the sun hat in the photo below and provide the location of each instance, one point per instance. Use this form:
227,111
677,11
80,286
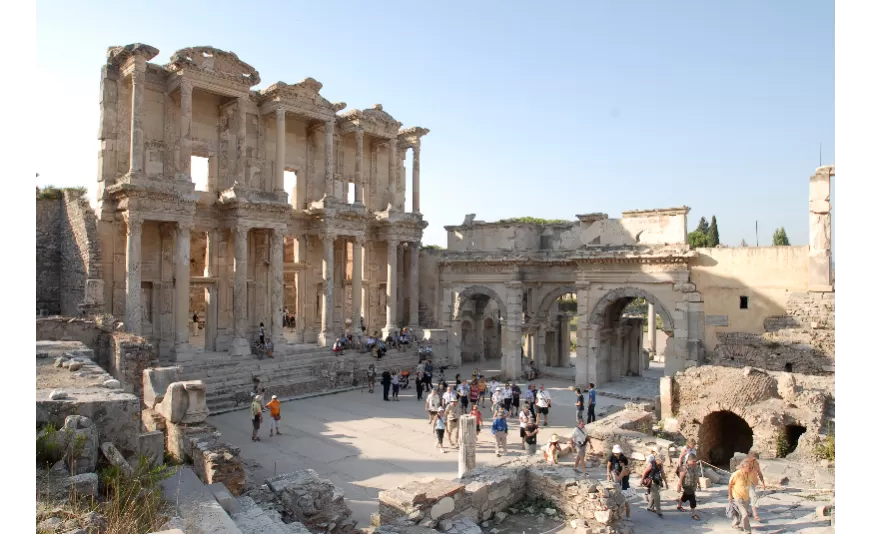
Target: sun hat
441,408
554,438
617,449
274,396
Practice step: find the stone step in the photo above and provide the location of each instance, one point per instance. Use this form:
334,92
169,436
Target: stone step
251,519
196,504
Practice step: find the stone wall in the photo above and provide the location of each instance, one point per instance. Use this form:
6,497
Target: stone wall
72,329
129,355
48,259
429,287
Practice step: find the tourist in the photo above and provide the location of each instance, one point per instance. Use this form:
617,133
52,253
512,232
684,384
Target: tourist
452,413
493,385
653,477
195,324
473,393
579,404
293,322
274,406
755,477
481,391
543,404
386,381
551,453
689,480
592,397
427,374
395,383
458,380
270,349
337,347
495,399
462,390
524,417
530,440
690,448
433,402
371,372
651,459
516,394
530,396
581,441
262,334
738,494
256,416
439,426
617,468
500,430
448,396
475,374
478,416
421,384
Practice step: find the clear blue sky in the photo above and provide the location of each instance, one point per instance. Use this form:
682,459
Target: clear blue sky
545,109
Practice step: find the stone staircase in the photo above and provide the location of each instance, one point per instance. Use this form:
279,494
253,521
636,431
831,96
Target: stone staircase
302,369
251,519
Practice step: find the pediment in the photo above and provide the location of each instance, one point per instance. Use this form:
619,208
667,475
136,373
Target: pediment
305,94
118,55
374,114
215,62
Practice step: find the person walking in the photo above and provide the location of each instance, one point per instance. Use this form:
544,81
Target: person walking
473,393
530,440
616,468
516,395
421,384
452,413
256,416
274,406
690,448
427,374
581,441
543,404
386,381
738,494
493,385
530,396
579,404
654,478
262,334
395,383
495,399
755,477
689,480
525,418
371,372
500,430
439,425
433,402
478,416
592,397
481,391
462,391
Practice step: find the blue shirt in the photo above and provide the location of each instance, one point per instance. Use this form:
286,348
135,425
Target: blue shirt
439,423
499,425
592,396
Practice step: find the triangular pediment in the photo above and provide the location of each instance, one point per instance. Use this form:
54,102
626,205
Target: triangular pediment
214,62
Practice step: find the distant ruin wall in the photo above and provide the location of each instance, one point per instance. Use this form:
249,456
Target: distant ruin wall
48,256
429,278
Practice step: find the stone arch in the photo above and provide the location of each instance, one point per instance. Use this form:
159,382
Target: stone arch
722,433
551,297
470,291
603,306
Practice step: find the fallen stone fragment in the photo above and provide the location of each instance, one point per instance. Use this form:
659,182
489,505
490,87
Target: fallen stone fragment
75,366
84,485
112,384
115,458
58,394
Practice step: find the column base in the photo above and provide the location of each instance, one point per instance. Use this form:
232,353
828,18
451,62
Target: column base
240,347
182,352
325,339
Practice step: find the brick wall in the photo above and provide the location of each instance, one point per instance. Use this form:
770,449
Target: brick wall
48,262
130,355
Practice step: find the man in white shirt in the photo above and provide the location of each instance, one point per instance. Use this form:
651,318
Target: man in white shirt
581,440
449,396
496,399
525,418
543,405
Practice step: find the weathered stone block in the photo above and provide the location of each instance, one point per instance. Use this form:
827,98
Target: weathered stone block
152,446
184,402
83,485
155,382
115,458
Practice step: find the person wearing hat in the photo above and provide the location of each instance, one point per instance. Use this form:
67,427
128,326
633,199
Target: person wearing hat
500,430
439,425
256,416
581,440
496,399
551,454
615,465
274,406
452,413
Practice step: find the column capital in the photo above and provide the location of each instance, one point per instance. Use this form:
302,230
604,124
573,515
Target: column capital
186,86
134,222
279,232
281,113
241,229
358,133
185,225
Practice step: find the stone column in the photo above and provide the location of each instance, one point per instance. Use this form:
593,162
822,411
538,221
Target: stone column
328,251
392,284
511,365
242,143
301,257
182,290
358,163
329,149
276,277
416,178
280,146
820,272
184,134
467,444
240,345
651,325
414,289
356,295
137,128
133,304
393,175
212,303
563,357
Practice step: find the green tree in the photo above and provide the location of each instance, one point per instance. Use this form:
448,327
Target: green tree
713,234
703,227
697,239
780,239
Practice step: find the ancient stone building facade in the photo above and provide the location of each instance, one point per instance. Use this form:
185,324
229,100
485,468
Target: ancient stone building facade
338,247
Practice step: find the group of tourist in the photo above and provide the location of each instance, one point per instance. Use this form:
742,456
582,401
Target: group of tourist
274,406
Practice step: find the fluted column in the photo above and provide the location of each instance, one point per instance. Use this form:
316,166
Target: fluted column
356,288
393,175
133,304
512,332
240,344
328,245
137,129
414,289
182,288
651,326
416,178
184,135
241,142
281,128
276,276
329,148
392,284
358,163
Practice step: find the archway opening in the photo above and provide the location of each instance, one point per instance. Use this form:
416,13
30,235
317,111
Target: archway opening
480,336
789,440
722,434
554,337
490,339
621,335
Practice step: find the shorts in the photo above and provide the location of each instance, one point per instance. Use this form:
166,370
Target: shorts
544,411
753,496
257,421
463,401
689,496
625,485
581,451
478,429
516,402
522,433
433,412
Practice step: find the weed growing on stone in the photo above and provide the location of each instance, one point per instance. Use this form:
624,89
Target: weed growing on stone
825,449
47,447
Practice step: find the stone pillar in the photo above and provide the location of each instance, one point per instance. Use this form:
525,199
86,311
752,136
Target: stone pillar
329,149
276,278
280,147
392,284
137,128
416,178
182,290
240,345
511,363
564,354
467,444
651,325
357,174
356,295
133,304
820,272
301,257
212,302
328,251
184,134
242,143
414,283
393,175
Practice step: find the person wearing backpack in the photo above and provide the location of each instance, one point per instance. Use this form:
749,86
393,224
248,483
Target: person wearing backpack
581,440
654,478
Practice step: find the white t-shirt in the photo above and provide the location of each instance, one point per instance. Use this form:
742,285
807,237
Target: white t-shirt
524,418
579,437
449,396
543,399
434,402
496,396
493,385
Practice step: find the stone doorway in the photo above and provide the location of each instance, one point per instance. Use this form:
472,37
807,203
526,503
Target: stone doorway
203,335
722,434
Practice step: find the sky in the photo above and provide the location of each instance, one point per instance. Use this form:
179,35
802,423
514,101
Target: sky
542,109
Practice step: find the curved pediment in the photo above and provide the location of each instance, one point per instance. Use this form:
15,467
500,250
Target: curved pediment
303,96
374,120
215,62
118,55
